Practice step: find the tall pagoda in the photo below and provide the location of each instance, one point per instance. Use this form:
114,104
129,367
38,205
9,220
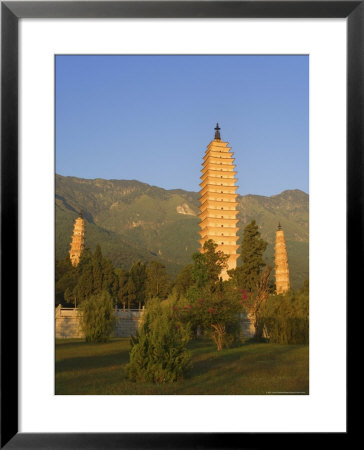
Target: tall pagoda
218,209
78,240
281,263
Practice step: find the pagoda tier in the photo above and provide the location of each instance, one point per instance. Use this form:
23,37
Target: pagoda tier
218,164
218,188
221,223
218,181
223,164
218,150
222,173
219,196
218,213
218,205
219,233
221,205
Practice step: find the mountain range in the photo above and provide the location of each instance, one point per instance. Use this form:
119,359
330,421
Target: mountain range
134,220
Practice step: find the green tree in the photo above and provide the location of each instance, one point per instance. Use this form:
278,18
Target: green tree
62,267
158,353
247,275
122,294
254,302
286,317
85,285
98,317
208,265
68,296
157,282
131,292
65,281
109,279
95,274
139,275
184,280
217,313
85,259
97,270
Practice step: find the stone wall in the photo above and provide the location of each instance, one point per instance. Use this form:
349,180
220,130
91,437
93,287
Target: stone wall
68,323
127,323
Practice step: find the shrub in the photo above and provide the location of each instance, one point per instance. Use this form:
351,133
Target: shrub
217,314
158,352
97,317
286,318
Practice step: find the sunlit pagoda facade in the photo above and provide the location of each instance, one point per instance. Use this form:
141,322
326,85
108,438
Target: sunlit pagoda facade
281,262
218,209
78,240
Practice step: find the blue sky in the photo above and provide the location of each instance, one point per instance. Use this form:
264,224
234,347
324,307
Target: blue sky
150,118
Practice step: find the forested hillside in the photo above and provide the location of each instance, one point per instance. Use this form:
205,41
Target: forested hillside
133,220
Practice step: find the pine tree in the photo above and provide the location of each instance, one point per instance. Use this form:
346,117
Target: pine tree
131,290
247,275
208,265
184,280
97,270
98,317
122,294
109,279
95,275
159,351
84,287
65,281
139,276
157,283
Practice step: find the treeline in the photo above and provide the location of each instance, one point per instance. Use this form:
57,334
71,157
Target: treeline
96,274
211,306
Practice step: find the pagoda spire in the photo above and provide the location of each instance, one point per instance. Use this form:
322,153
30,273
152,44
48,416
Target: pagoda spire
218,205
281,262
217,132
78,240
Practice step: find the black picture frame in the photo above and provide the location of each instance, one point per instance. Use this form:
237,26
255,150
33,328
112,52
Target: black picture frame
11,12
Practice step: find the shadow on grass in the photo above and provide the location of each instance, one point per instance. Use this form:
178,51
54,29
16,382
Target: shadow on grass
92,361
74,343
243,361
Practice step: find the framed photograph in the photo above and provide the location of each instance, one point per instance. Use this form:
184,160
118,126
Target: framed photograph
118,186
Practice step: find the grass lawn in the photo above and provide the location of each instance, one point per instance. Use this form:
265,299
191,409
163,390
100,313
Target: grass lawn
253,368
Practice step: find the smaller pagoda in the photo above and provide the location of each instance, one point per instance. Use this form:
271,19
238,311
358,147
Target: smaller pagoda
78,240
281,262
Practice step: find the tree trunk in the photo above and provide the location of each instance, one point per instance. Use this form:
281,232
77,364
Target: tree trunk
258,333
218,335
261,298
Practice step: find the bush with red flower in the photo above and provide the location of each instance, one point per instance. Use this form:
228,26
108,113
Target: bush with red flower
216,313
